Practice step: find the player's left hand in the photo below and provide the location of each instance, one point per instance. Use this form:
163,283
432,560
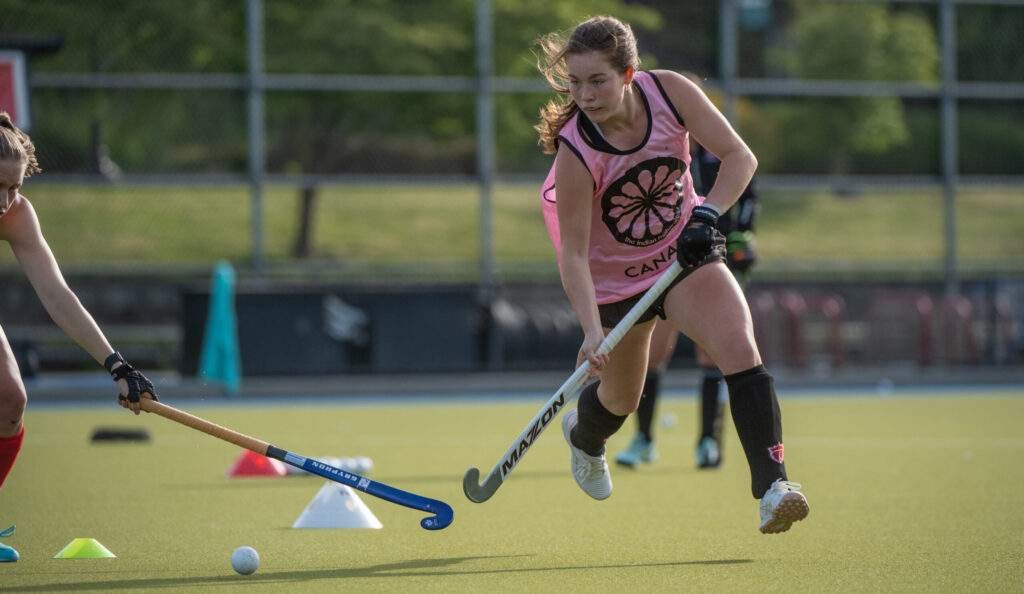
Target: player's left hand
740,250
700,238
132,385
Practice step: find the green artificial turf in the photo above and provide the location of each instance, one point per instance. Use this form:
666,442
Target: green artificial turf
907,493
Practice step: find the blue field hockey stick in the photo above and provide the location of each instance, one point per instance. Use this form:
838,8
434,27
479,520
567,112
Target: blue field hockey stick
570,390
443,514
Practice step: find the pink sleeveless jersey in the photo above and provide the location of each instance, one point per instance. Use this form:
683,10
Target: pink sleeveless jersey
639,209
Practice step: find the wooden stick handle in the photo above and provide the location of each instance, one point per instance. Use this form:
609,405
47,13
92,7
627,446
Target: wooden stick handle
178,416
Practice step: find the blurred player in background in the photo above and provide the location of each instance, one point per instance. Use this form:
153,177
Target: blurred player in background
19,227
737,225
619,205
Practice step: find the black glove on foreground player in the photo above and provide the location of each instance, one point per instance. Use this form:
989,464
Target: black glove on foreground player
700,239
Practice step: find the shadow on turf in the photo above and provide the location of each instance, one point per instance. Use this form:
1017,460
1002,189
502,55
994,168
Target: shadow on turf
560,473
413,568
396,480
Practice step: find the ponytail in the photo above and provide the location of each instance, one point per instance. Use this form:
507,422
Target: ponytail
553,117
557,111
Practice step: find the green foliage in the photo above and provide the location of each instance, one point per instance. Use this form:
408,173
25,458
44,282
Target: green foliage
147,131
854,41
919,155
991,137
370,37
990,46
132,36
191,131
316,132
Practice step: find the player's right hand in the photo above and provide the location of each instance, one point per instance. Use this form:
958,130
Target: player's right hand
132,385
588,352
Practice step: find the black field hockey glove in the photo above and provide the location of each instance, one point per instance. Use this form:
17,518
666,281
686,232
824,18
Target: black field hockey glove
740,251
137,383
700,239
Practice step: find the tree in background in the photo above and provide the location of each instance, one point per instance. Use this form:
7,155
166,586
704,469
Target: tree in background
146,130
409,132
849,41
151,131
990,47
187,131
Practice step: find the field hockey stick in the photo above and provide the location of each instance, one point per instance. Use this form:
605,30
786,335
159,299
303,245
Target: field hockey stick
443,514
569,391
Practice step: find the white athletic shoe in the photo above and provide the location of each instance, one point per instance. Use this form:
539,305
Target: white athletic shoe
591,472
782,505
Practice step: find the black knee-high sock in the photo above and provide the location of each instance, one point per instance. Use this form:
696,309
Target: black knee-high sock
595,423
711,404
755,410
648,400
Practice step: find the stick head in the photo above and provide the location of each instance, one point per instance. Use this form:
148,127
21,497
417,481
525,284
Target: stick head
443,516
476,492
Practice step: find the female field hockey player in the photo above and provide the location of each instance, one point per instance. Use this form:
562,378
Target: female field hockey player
617,216
737,225
19,227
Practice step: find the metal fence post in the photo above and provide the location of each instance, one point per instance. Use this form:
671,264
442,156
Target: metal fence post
257,152
485,160
950,148
727,56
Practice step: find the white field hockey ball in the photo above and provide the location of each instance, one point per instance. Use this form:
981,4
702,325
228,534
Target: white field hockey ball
245,560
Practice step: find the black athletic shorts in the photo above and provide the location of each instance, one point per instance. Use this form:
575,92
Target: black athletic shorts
612,313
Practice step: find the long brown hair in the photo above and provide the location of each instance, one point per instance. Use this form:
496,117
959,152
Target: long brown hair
15,145
601,33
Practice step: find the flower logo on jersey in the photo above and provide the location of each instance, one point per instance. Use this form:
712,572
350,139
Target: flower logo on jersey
643,205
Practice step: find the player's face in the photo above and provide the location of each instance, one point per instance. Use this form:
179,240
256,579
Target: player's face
12,174
596,87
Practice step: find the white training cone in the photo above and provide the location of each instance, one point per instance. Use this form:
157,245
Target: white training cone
337,506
